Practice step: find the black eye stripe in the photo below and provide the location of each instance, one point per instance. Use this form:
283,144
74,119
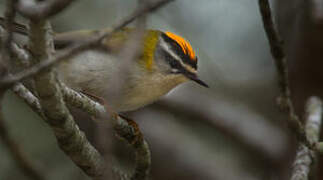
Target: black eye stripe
179,51
172,61
176,65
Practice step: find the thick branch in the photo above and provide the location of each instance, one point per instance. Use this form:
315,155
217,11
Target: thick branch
304,158
41,10
278,54
69,137
74,50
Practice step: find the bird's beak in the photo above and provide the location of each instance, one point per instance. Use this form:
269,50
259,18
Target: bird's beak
194,77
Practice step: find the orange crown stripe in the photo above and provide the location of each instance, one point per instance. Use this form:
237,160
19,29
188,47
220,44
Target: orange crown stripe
185,45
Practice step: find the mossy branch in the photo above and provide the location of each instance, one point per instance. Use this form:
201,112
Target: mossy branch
304,159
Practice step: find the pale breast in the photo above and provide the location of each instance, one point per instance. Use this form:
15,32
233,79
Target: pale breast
147,89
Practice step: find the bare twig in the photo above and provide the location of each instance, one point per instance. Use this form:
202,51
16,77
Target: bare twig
129,52
135,138
304,158
41,10
278,54
75,49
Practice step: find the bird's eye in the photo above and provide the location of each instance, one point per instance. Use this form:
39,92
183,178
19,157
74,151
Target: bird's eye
176,67
174,64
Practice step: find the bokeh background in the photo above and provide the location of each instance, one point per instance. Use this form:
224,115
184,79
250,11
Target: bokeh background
233,130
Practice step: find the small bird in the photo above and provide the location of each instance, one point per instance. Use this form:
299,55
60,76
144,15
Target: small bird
164,61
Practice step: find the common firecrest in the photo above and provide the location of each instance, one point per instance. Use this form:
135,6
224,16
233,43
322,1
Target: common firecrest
164,61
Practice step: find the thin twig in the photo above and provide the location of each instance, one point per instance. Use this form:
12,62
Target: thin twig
42,9
304,158
278,54
75,49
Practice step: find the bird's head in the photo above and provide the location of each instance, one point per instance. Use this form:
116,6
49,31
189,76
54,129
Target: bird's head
174,56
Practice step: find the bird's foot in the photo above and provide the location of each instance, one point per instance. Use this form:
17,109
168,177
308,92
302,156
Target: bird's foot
136,136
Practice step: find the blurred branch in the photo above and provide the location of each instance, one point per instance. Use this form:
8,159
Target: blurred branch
75,49
5,59
192,155
316,11
27,167
228,126
41,10
278,54
305,157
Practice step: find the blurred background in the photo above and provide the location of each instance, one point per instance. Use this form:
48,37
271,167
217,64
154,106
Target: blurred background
233,130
